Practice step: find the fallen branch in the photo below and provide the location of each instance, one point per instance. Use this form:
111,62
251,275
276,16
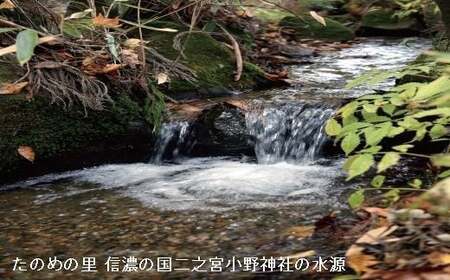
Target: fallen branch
237,53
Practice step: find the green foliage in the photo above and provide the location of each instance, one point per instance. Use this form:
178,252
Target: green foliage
382,129
26,42
356,199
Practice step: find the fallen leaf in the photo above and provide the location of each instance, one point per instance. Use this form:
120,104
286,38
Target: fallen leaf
438,258
130,58
301,231
27,152
111,68
318,18
162,78
132,43
7,5
102,21
382,212
12,88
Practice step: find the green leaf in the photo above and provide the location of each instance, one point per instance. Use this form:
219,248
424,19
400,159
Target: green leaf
410,123
403,148
370,108
26,42
389,109
416,183
392,195
356,199
441,160
375,135
371,150
378,181
349,109
374,118
332,127
349,120
443,112
438,131
389,159
444,174
394,131
360,164
429,90
350,143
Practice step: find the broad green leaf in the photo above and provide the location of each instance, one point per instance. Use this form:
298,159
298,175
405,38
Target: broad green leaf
356,199
441,160
371,150
438,131
420,134
350,143
378,181
349,120
374,137
389,159
349,109
403,148
397,101
370,108
395,131
443,112
429,90
332,127
410,123
26,42
389,109
360,164
374,118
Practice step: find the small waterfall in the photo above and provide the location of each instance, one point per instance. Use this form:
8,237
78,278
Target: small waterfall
288,132
172,139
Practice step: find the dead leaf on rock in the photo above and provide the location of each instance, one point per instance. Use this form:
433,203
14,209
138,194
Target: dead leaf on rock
27,152
7,88
102,21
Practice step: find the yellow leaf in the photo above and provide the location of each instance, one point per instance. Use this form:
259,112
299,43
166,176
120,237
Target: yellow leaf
101,21
27,152
7,5
438,258
13,88
318,18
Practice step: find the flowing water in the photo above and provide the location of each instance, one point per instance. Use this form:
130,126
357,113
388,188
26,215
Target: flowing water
180,206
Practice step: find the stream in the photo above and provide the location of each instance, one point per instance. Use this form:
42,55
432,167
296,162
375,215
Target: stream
185,207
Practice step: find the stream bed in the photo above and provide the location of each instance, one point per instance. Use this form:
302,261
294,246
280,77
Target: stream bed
186,207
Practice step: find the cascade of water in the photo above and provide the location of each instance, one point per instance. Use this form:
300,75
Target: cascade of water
172,138
288,132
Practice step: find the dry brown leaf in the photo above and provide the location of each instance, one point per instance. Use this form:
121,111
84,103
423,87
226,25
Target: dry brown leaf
132,43
439,258
318,18
162,78
13,88
102,21
27,152
7,5
382,212
301,231
109,68
300,255
130,58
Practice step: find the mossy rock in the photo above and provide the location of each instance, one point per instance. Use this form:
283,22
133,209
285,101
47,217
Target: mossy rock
384,19
307,27
65,139
213,63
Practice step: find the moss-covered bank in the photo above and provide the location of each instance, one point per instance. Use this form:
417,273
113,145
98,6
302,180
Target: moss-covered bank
67,139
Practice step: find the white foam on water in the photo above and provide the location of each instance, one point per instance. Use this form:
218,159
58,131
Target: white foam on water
207,184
